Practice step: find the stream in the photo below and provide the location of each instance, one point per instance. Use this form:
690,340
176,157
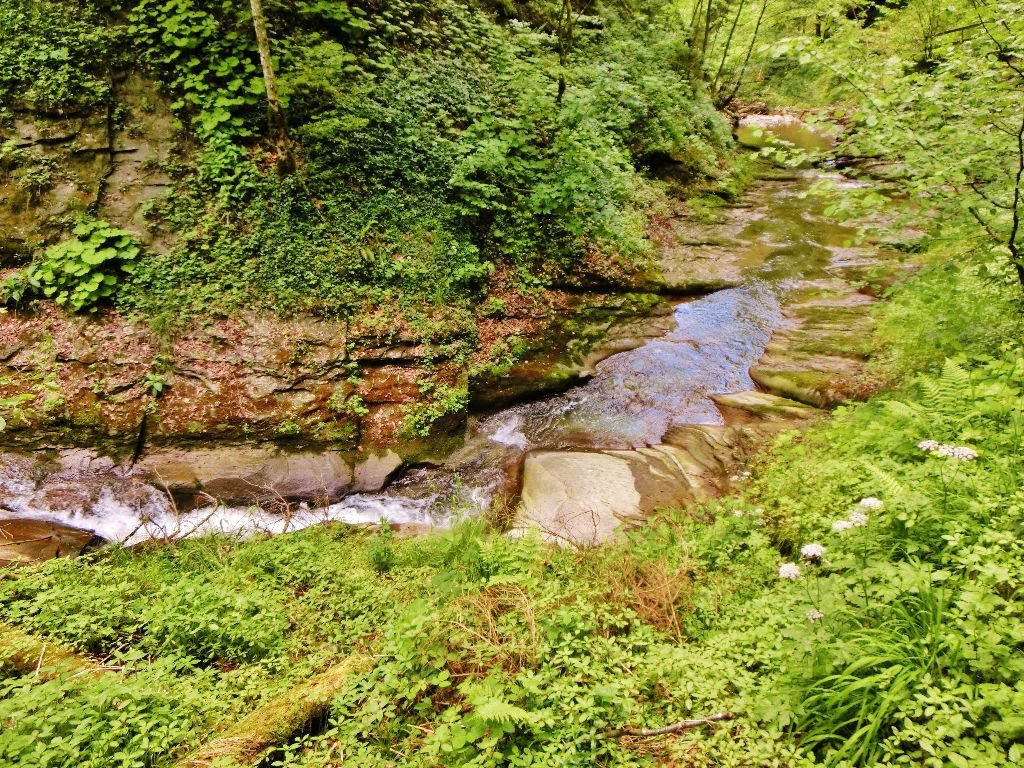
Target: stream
775,234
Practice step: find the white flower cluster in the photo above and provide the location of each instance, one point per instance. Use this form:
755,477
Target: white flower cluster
753,513
857,519
958,452
789,571
812,551
814,615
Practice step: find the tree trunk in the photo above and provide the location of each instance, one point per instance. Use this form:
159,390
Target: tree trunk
275,114
721,103
26,654
566,24
728,45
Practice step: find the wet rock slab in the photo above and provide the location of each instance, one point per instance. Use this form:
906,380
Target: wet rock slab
88,492
818,357
248,474
32,541
581,498
744,407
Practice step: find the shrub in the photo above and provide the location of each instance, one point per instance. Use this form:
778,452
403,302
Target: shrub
212,621
382,550
97,724
52,55
81,272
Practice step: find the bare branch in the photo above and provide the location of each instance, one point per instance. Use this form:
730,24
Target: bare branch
1015,254
985,225
976,188
682,725
959,29
1001,53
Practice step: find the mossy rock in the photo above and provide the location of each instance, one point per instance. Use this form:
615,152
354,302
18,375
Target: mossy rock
807,343
830,315
763,406
821,390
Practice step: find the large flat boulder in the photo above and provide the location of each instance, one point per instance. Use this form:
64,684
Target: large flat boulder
578,497
583,497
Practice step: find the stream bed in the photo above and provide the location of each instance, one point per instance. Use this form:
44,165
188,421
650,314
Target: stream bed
774,236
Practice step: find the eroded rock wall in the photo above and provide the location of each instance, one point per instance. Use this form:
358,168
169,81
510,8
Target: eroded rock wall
108,163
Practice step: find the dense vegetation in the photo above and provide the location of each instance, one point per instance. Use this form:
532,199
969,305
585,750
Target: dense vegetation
858,602
901,640
931,93
438,143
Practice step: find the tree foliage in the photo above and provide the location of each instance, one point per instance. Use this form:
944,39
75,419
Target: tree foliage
932,94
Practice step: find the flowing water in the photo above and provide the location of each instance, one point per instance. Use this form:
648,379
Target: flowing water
778,235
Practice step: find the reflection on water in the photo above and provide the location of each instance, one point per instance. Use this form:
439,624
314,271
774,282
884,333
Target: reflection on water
759,131
634,397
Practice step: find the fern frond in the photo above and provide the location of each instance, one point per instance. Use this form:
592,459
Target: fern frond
945,395
497,711
903,410
892,489
955,377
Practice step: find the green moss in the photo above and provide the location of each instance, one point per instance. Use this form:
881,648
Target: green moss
289,428
810,387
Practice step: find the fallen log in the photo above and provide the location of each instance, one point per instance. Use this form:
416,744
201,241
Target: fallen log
282,718
23,653
682,725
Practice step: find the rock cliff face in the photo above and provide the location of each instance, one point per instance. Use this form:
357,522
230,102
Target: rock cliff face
263,409
57,165
95,379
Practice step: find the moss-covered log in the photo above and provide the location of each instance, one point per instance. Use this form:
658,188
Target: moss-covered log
23,653
277,721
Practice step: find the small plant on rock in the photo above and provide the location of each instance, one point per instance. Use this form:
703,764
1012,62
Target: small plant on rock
78,273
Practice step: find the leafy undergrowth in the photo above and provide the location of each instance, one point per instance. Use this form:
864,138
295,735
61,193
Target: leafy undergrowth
437,142
858,603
